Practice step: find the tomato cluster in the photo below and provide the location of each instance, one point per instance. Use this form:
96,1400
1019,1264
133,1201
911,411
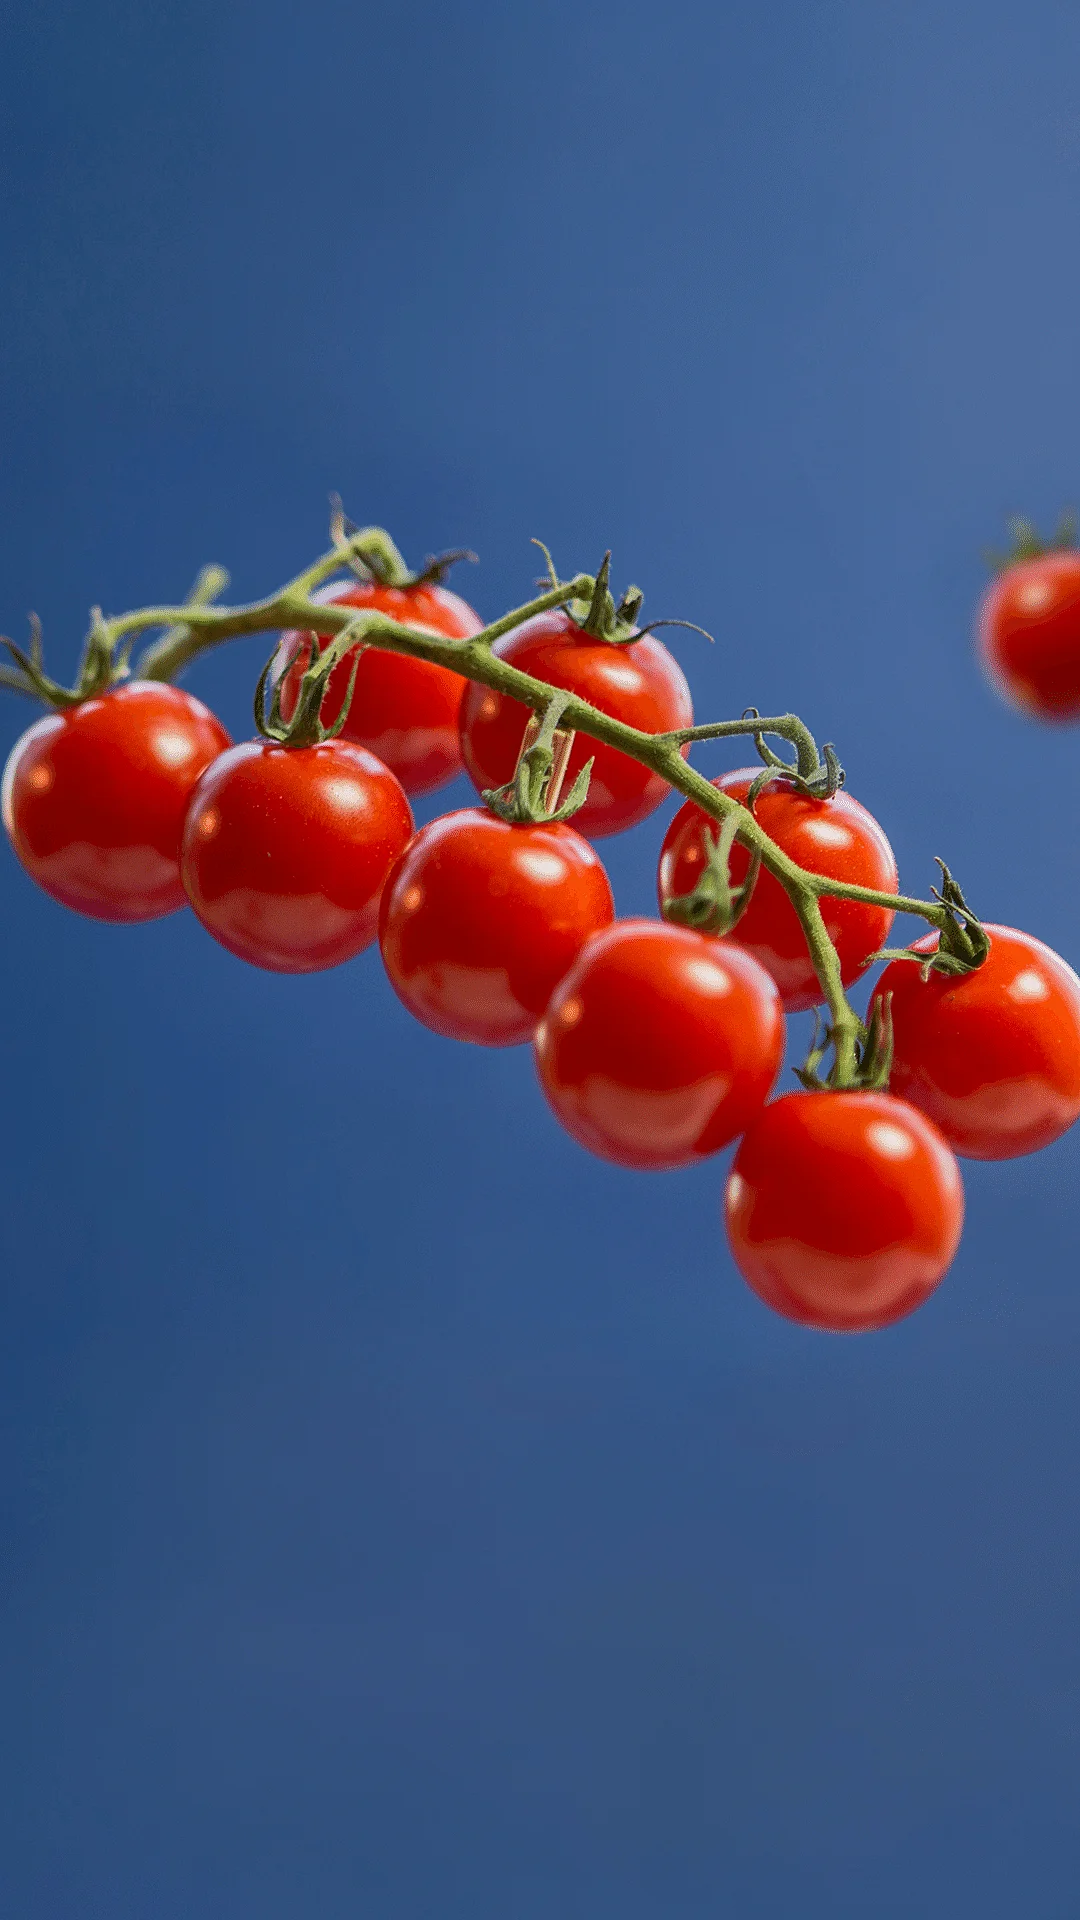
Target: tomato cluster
656,1043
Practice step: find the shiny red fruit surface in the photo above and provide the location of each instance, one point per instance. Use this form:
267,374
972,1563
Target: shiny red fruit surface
640,683
992,1056
836,837
286,850
1029,635
405,711
94,798
660,1044
480,921
844,1210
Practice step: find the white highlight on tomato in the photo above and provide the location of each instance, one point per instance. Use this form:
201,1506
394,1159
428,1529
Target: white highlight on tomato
1027,987
892,1142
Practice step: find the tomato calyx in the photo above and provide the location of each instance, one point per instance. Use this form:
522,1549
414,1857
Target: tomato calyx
375,557
305,727
1028,544
601,617
963,942
714,905
873,1053
438,565
102,666
818,775
531,797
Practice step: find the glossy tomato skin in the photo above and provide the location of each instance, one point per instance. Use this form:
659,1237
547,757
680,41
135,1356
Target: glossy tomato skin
1029,635
286,850
660,1045
992,1056
836,837
640,683
844,1210
405,711
480,920
94,798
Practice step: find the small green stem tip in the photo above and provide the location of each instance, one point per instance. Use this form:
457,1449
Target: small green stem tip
531,797
305,727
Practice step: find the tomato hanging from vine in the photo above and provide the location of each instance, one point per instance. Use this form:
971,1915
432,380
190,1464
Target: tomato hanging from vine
657,1042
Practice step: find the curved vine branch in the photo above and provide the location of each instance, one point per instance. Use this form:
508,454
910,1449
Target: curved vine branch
200,624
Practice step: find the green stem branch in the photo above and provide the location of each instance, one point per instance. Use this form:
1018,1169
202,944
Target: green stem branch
196,627
785,726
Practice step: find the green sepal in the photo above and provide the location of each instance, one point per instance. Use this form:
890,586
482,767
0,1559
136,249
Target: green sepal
437,566
963,942
1028,544
102,665
375,557
714,905
818,778
306,727
873,1055
507,803
523,801
604,619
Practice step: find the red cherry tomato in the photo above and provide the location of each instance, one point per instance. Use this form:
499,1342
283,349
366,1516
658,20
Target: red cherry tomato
94,798
660,1045
836,837
286,850
992,1056
844,1210
405,711
639,683
1029,635
480,920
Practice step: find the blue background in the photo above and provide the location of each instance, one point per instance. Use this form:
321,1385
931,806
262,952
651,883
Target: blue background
403,1514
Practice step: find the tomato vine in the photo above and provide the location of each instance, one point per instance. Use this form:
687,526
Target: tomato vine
200,624
656,1042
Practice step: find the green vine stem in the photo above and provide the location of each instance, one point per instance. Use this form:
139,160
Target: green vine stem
198,625
784,726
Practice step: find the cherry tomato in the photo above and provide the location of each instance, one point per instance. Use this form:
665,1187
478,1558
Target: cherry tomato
659,1045
992,1056
480,920
286,850
836,837
1029,635
406,711
844,1210
640,683
94,798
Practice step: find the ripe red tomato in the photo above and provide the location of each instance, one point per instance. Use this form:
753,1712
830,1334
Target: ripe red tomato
286,849
835,837
659,1045
94,798
992,1056
480,920
640,683
844,1210
1029,635
405,711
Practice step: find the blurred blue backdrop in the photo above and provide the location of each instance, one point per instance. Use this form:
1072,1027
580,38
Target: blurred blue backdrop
404,1515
